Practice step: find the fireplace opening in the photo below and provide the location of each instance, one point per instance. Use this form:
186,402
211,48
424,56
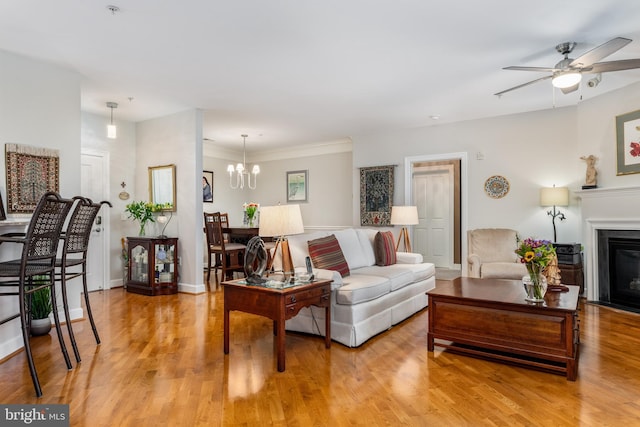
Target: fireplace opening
624,272
619,268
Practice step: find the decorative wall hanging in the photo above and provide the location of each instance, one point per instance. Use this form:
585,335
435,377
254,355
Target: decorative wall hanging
496,186
31,172
376,195
628,143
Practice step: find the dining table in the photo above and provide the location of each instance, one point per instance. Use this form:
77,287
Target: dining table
240,234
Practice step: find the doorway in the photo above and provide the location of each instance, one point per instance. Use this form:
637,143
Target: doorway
436,184
94,173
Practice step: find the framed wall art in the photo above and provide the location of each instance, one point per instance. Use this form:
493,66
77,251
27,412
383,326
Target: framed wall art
297,186
628,143
376,195
207,186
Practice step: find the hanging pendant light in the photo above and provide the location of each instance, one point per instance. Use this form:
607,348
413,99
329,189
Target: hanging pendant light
111,128
241,171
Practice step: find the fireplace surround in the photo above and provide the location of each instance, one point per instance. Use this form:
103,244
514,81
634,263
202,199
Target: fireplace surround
607,210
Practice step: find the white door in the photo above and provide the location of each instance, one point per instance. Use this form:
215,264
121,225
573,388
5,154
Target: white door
433,196
94,177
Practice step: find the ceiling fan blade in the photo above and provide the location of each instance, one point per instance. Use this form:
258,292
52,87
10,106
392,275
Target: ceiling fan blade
623,64
600,52
541,69
570,89
522,85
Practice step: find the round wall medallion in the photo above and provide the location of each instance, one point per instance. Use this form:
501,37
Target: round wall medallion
496,186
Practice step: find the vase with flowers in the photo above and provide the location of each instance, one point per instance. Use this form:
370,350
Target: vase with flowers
536,255
251,212
143,213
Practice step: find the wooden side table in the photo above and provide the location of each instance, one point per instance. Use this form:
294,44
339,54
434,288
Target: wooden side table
277,304
572,274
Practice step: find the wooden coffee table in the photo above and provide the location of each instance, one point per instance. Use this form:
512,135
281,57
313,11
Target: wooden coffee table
277,304
490,318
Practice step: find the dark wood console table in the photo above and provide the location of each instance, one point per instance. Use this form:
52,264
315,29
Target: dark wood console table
277,304
490,318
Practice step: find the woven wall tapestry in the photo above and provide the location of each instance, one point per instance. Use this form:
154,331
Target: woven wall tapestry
31,172
376,195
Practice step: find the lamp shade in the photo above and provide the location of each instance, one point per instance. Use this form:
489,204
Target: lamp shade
404,215
554,196
283,220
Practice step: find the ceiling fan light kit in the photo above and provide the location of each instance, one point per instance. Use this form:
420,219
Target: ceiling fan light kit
567,73
565,80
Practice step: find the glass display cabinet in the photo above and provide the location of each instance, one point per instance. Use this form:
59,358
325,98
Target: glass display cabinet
153,265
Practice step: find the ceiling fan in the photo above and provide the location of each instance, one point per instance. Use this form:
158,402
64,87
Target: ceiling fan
567,73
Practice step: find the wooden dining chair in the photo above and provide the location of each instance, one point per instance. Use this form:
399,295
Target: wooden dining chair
229,257
224,220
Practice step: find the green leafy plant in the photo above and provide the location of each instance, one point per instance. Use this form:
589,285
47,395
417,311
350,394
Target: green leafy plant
143,212
41,299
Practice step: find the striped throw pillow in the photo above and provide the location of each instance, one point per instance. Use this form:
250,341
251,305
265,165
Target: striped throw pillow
326,253
384,248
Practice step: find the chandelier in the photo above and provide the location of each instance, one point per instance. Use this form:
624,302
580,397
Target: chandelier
241,171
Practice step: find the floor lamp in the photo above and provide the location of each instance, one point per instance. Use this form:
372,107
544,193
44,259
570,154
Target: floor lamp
554,196
281,221
404,216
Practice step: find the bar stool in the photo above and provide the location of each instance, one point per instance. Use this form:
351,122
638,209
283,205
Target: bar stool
39,249
75,243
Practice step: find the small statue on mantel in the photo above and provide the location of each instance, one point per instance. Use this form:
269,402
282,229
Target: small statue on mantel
590,181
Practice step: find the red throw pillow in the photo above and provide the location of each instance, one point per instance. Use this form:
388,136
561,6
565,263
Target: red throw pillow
326,253
384,248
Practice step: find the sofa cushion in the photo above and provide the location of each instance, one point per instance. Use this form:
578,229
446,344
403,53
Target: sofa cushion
325,253
351,248
384,248
298,246
503,270
359,288
399,277
419,272
366,237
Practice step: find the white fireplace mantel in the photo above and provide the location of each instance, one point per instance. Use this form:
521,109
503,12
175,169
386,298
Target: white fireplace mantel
605,209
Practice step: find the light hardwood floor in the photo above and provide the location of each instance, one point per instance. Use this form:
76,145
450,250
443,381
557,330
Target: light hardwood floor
161,364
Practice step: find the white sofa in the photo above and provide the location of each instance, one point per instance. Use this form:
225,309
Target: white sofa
372,298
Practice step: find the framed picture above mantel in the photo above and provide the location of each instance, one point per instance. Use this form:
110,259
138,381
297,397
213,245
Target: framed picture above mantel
628,143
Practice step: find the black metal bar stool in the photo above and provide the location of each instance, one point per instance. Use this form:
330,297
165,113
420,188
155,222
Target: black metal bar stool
75,243
39,249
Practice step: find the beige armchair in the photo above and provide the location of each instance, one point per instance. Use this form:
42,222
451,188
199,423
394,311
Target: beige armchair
492,254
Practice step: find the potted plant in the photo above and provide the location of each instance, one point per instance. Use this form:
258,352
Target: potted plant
143,212
41,308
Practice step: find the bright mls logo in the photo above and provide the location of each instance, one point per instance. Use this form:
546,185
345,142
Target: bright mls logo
34,415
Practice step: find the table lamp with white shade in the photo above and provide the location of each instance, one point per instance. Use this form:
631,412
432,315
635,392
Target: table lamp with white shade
554,196
281,221
404,216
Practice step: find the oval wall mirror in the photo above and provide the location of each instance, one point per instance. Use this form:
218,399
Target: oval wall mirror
162,185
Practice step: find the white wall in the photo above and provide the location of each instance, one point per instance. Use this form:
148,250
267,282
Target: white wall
39,106
329,174
122,168
596,133
531,150
177,139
